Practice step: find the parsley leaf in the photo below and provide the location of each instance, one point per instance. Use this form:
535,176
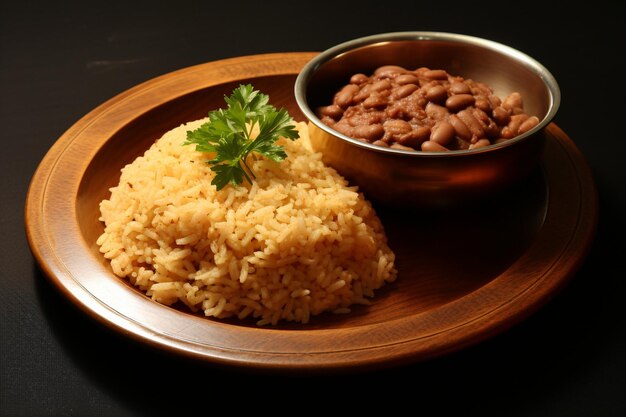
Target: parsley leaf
228,134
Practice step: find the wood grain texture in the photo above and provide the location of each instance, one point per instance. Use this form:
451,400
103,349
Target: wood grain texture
465,274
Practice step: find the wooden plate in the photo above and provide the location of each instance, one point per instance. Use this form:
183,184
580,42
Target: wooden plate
464,274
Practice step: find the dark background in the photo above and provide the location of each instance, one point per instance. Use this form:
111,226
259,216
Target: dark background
57,62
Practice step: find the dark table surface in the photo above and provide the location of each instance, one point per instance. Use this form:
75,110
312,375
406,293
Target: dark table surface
57,62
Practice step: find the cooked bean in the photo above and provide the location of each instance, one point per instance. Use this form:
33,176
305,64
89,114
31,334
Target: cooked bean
501,115
359,79
436,112
327,120
507,133
481,143
389,70
415,137
406,79
442,133
461,129
480,89
528,124
375,100
516,121
404,90
437,93
494,101
472,124
344,97
369,118
333,111
380,143
363,93
483,103
430,146
481,116
437,74
459,88
402,147
381,85
369,132
458,102
424,109
512,101
343,127
395,128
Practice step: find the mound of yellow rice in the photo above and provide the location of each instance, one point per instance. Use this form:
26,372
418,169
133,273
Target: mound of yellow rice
297,242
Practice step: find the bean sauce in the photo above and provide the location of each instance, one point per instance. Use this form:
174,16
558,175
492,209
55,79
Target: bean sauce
424,110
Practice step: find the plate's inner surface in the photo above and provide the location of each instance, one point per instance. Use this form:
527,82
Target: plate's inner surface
441,255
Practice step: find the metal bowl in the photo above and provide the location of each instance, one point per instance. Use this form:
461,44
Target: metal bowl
394,176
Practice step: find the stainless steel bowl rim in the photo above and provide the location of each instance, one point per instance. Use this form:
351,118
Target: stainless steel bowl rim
535,66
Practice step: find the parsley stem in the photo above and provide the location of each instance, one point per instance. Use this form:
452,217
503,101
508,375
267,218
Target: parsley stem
243,160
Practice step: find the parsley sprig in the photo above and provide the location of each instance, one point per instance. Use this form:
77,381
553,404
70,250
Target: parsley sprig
228,134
